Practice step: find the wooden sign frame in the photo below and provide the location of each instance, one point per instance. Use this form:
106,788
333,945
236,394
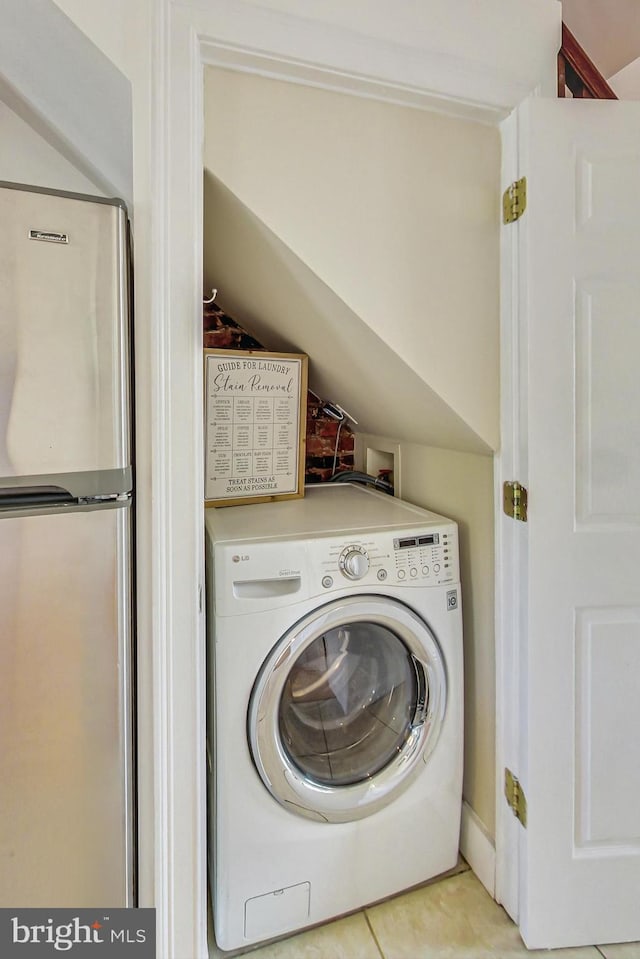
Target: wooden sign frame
255,405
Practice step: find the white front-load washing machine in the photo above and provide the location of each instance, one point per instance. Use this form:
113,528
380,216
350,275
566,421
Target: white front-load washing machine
335,706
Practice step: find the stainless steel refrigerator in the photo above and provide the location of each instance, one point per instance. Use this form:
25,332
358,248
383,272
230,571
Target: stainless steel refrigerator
66,537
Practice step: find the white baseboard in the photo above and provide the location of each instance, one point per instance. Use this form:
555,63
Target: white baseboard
478,848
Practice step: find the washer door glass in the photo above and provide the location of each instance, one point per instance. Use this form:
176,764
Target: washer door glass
348,704
347,708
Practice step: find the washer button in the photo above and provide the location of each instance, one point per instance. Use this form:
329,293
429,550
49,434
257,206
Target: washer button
425,570
401,574
436,568
327,581
382,574
414,572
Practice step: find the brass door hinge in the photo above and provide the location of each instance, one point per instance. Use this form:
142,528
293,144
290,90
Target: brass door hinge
515,500
515,797
514,201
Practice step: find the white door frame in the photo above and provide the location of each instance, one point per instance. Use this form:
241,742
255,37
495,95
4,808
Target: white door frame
481,74
510,536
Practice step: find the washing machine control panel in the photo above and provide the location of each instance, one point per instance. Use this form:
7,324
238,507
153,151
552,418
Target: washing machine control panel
426,556
421,558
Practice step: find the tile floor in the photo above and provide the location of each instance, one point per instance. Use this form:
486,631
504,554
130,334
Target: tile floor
454,918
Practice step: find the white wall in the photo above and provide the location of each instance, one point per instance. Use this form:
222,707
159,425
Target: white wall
460,485
274,294
68,91
626,83
395,209
25,157
107,24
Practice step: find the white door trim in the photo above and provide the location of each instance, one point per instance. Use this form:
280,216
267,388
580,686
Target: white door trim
510,538
331,54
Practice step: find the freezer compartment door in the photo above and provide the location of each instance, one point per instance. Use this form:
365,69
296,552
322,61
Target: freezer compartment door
66,786
64,335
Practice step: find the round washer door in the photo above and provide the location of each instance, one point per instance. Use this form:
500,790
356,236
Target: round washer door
347,708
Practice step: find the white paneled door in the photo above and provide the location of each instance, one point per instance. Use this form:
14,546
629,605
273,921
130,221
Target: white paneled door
579,253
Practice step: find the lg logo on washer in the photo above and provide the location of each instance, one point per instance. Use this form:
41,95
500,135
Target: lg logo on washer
285,573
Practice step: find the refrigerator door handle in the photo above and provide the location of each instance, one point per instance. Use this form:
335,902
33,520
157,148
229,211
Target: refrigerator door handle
13,496
65,488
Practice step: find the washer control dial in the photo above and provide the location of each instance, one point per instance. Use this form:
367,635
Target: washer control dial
354,562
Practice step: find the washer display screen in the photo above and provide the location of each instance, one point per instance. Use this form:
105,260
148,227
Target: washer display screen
348,704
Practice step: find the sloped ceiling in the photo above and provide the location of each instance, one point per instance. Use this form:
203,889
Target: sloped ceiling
60,83
278,299
365,235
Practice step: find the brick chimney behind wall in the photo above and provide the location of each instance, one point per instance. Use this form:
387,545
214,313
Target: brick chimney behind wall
222,332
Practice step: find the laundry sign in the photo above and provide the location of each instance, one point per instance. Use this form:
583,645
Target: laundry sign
255,419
